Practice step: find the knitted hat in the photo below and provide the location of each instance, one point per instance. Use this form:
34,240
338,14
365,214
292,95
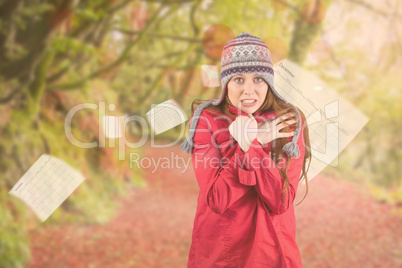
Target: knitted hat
245,53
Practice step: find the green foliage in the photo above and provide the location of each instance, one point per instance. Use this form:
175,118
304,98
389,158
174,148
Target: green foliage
64,44
14,243
35,12
390,196
89,14
94,201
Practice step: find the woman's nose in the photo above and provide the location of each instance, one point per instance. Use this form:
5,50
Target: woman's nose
249,88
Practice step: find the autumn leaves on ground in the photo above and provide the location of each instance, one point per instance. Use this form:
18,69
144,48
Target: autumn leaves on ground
338,225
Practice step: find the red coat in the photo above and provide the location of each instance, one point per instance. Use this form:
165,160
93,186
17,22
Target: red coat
240,221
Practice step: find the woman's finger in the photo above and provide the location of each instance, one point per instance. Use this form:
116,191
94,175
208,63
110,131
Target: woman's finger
283,118
285,124
285,134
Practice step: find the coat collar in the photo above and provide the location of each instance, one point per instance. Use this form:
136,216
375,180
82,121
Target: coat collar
259,115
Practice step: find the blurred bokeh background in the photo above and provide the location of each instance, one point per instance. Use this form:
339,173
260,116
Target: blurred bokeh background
57,54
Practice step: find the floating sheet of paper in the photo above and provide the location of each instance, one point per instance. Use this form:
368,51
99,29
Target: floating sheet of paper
46,184
113,126
333,122
165,116
210,76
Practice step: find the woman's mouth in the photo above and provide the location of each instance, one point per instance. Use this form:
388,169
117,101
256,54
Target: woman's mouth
248,102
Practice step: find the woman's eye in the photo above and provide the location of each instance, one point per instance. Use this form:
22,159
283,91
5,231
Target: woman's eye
239,79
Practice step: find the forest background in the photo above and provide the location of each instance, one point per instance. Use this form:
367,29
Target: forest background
57,54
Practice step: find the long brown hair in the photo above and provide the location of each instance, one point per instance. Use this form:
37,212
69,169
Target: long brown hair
272,102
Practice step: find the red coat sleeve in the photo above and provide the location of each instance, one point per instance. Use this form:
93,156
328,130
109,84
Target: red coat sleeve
268,181
218,177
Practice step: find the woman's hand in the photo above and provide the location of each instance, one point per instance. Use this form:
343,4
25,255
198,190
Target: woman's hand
244,130
269,130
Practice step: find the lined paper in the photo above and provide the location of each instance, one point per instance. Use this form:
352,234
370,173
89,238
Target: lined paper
46,184
165,116
333,121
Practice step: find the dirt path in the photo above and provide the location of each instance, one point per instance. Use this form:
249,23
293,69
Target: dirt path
338,225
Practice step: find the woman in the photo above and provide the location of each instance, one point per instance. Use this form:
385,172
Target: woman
248,153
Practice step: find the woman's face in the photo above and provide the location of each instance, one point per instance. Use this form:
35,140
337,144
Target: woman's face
247,92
